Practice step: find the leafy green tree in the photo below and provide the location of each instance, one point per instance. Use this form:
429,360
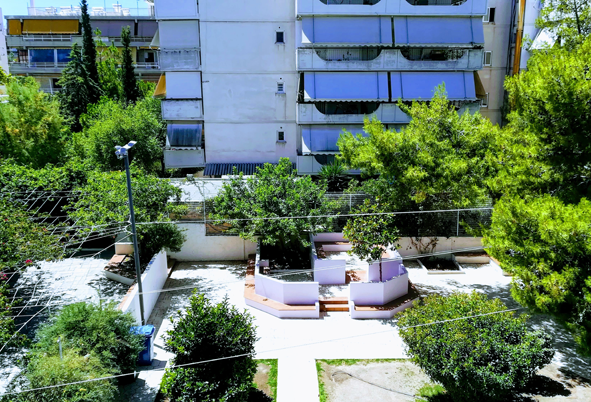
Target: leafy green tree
89,54
109,59
274,191
75,95
372,234
335,175
129,82
547,146
101,330
205,332
111,123
568,20
482,358
103,200
32,130
545,244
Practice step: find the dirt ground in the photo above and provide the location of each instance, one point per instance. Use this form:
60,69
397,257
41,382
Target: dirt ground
261,378
551,384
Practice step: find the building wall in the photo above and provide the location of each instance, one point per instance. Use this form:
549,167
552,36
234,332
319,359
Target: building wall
242,65
3,49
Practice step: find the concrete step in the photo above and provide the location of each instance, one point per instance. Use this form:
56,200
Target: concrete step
334,307
334,300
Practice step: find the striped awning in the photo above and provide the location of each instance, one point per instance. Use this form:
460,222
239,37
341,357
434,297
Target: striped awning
221,169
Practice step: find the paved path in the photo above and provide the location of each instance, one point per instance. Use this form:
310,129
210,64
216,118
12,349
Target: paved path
297,379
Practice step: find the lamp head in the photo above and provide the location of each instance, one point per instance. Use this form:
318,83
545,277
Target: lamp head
121,151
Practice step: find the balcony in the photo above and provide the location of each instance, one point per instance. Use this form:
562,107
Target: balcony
374,59
184,158
176,9
42,40
391,7
336,113
182,110
180,59
35,67
116,11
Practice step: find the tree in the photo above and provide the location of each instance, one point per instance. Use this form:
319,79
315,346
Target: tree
371,235
335,175
89,54
255,203
75,95
32,131
109,59
547,147
129,82
545,244
103,200
568,20
205,332
111,123
481,358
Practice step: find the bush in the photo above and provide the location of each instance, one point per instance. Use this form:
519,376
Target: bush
47,370
486,357
208,331
98,330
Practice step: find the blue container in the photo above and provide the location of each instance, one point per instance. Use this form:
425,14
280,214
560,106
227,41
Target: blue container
147,355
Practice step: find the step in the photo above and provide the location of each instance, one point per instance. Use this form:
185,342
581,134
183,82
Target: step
334,300
334,307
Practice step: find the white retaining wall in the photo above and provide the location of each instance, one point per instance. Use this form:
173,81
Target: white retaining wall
286,313
305,293
326,272
378,293
199,247
452,244
378,314
153,280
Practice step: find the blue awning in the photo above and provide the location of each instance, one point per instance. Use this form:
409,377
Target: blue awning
323,139
345,86
360,31
184,135
436,31
422,85
221,169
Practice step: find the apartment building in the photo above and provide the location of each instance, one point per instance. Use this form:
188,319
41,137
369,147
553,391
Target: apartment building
252,81
39,43
3,52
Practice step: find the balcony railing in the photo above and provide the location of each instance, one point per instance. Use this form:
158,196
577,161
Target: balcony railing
179,59
48,38
435,2
349,2
38,64
94,11
149,66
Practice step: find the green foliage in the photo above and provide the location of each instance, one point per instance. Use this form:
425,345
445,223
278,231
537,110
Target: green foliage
547,147
89,54
208,331
335,175
103,200
274,191
31,127
568,20
48,370
482,358
272,375
545,244
8,330
102,331
111,123
77,89
370,235
130,88
109,59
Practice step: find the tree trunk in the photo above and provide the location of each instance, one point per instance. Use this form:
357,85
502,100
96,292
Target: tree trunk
380,269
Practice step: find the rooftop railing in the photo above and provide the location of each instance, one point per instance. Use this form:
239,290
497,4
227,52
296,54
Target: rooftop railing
94,11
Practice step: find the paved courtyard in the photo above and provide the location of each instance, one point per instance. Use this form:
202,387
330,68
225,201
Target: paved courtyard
336,335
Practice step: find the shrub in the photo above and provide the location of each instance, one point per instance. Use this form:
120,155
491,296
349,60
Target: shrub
486,357
208,331
98,330
47,370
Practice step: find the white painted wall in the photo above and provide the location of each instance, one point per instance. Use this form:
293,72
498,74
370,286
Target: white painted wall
199,247
452,244
179,34
3,49
153,280
183,85
170,9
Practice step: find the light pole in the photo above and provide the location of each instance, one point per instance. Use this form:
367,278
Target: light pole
122,153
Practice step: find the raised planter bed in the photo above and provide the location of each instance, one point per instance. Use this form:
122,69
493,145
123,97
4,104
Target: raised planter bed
479,257
121,269
440,266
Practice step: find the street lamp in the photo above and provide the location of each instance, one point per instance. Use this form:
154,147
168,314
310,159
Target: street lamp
122,153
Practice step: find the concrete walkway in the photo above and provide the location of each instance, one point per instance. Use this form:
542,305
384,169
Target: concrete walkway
297,379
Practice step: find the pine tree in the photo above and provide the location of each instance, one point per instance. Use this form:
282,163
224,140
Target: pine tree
89,53
130,87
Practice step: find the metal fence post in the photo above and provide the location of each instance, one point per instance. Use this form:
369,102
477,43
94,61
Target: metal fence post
458,225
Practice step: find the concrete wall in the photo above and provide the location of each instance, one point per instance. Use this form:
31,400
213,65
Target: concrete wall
390,269
327,272
153,280
378,293
199,247
452,244
305,293
389,7
181,9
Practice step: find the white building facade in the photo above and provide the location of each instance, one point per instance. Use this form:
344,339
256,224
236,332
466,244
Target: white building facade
251,81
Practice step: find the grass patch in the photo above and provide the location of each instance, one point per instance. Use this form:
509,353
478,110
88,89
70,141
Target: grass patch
352,362
322,391
272,376
432,392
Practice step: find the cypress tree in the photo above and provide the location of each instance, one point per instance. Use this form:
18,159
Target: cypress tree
130,87
89,53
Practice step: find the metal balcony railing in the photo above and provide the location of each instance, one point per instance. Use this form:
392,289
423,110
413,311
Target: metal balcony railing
150,66
351,2
38,64
48,38
94,11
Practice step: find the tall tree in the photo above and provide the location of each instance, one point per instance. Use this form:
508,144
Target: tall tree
130,86
89,53
568,20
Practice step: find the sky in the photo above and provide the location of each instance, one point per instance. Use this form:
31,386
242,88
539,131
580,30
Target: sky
19,7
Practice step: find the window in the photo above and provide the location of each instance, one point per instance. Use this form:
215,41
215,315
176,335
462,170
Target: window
490,15
279,37
484,101
487,58
281,136
280,88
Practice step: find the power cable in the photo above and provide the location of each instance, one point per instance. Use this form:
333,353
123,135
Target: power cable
371,383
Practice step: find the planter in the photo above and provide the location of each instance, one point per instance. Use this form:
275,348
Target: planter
472,258
117,277
378,293
444,270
